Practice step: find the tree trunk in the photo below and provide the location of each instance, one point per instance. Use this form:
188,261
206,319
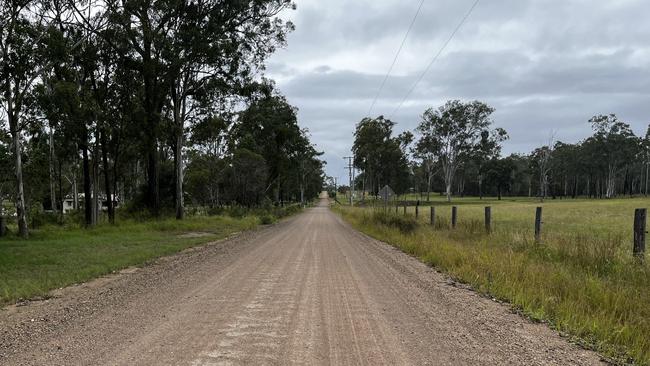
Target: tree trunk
302,195
448,191
107,181
645,190
12,116
20,193
178,165
611,180
95,185
449,175
88,209
153,188
52,175
178,106
75,189
61,198
575,187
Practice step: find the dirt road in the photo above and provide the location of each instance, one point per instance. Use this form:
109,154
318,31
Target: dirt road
310,290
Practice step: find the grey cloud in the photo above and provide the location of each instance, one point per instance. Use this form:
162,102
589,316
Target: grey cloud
546,66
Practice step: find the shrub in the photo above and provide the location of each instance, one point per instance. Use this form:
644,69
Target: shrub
284,211
405,224
267,219
215,211
44,218
237,212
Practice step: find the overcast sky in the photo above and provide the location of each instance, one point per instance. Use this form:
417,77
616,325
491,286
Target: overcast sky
546,66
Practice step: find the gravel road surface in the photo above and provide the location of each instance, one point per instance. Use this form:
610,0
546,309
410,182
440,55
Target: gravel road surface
309,290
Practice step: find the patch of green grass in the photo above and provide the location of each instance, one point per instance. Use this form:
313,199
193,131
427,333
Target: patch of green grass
582,278
55,256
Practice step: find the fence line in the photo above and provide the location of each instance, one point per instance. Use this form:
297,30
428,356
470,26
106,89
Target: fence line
639,227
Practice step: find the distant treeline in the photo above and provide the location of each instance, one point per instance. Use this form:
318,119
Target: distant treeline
147,105
456,151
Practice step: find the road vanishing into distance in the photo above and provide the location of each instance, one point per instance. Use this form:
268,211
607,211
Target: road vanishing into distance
310,290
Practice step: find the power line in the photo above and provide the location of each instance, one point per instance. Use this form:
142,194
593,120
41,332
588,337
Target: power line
469,12
390,69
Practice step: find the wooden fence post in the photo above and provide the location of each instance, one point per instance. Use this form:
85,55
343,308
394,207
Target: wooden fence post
417,209
433,217
538,224
488,219
404,208
3,226
454,216
640,215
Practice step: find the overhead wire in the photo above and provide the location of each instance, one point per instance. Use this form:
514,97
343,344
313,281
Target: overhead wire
399,50
435,58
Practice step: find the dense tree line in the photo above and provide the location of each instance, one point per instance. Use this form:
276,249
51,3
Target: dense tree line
457,151
146,104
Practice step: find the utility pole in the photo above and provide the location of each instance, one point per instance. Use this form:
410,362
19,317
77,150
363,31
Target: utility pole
351,174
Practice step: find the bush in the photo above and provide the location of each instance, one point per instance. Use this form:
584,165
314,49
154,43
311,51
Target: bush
215,211
405,224
44,218
237,212
267,219
74,218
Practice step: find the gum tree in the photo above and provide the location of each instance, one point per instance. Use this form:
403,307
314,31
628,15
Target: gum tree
20,66
453,132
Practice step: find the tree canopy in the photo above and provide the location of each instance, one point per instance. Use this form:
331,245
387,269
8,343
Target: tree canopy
144,104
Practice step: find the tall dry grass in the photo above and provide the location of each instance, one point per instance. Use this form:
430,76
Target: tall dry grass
581,278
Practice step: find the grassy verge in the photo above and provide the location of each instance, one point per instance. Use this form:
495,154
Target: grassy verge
582,278
56,256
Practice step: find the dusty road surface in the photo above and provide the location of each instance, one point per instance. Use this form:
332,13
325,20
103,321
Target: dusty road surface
308,291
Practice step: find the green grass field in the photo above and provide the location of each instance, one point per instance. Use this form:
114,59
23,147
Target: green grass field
54,256
582,278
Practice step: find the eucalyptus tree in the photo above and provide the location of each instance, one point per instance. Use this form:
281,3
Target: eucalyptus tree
616,147
371,136
488,148
306,158
203,174
500,172
215,49
381,156
246,173
541,157
428,163
180,49
645,155
453,132
6,183
269,127
21,30
71,97
566,167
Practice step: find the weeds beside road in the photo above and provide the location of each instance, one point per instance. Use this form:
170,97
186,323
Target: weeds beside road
582,278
